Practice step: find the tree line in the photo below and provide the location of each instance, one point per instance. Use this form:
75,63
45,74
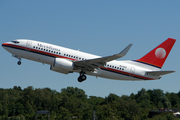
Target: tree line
73,103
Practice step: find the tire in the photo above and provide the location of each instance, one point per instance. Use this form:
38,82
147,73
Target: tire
83,77
19,62
80,79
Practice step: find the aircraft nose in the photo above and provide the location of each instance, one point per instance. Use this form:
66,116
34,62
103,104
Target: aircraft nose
4,45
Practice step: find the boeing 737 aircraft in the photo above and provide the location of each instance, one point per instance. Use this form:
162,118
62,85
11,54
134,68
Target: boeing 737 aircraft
65,60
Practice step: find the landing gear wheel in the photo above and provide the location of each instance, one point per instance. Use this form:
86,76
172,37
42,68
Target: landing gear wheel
82,78
19,62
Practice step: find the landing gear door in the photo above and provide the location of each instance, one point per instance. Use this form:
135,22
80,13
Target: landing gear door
28,45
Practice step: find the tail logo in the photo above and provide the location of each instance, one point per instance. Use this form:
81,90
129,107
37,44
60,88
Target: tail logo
160,53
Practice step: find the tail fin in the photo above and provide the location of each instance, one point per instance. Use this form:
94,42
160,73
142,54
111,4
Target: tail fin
158,55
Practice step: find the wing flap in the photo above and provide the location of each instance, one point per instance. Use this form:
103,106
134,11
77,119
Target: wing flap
158,73
95,63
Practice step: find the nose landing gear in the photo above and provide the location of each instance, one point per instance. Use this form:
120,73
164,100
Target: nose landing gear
19,62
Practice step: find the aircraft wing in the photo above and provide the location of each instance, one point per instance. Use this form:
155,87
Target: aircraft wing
91,64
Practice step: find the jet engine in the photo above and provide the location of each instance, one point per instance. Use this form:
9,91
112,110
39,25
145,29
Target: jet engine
62,65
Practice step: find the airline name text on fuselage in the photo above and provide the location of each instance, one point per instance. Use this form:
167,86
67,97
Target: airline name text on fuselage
47,47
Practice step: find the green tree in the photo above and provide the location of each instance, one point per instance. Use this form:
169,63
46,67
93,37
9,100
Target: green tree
29,111
78,93
128,107
156,96
166,102
19,109
143,98
112,97
174,99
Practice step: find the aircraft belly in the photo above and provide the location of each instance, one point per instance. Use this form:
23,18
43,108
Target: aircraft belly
31,56
41,58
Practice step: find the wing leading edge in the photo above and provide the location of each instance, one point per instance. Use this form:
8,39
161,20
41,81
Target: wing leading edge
91,64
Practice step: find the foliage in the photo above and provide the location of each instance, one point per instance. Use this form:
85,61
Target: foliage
73,103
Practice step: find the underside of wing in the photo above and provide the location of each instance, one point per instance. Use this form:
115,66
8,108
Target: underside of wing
92,64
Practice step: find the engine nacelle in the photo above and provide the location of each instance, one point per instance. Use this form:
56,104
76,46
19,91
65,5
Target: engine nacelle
62,66
59,70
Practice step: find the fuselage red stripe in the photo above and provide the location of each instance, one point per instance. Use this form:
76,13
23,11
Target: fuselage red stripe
126,73
37,51
60,56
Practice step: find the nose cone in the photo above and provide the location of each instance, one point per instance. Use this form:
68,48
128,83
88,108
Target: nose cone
4,44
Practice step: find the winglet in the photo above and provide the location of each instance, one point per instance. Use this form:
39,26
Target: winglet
123,52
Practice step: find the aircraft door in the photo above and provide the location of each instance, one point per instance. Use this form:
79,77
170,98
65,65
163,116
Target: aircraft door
132,71
28,45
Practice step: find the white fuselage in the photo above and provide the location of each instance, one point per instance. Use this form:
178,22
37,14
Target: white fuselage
46,53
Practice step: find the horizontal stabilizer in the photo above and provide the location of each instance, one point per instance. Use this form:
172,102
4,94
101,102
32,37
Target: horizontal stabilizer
157,73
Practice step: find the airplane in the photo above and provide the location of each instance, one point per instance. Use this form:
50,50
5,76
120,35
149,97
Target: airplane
65,60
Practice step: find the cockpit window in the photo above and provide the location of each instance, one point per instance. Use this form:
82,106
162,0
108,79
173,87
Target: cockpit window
15,41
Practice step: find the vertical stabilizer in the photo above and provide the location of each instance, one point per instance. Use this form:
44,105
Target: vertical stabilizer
158,55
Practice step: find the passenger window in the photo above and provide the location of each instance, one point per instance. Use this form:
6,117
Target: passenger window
46,49
59,53
41,48
82,58
117,67
64,54
112,66
49,50
34,47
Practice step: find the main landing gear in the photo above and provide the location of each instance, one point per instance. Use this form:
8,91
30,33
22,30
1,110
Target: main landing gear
82,77
19,62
